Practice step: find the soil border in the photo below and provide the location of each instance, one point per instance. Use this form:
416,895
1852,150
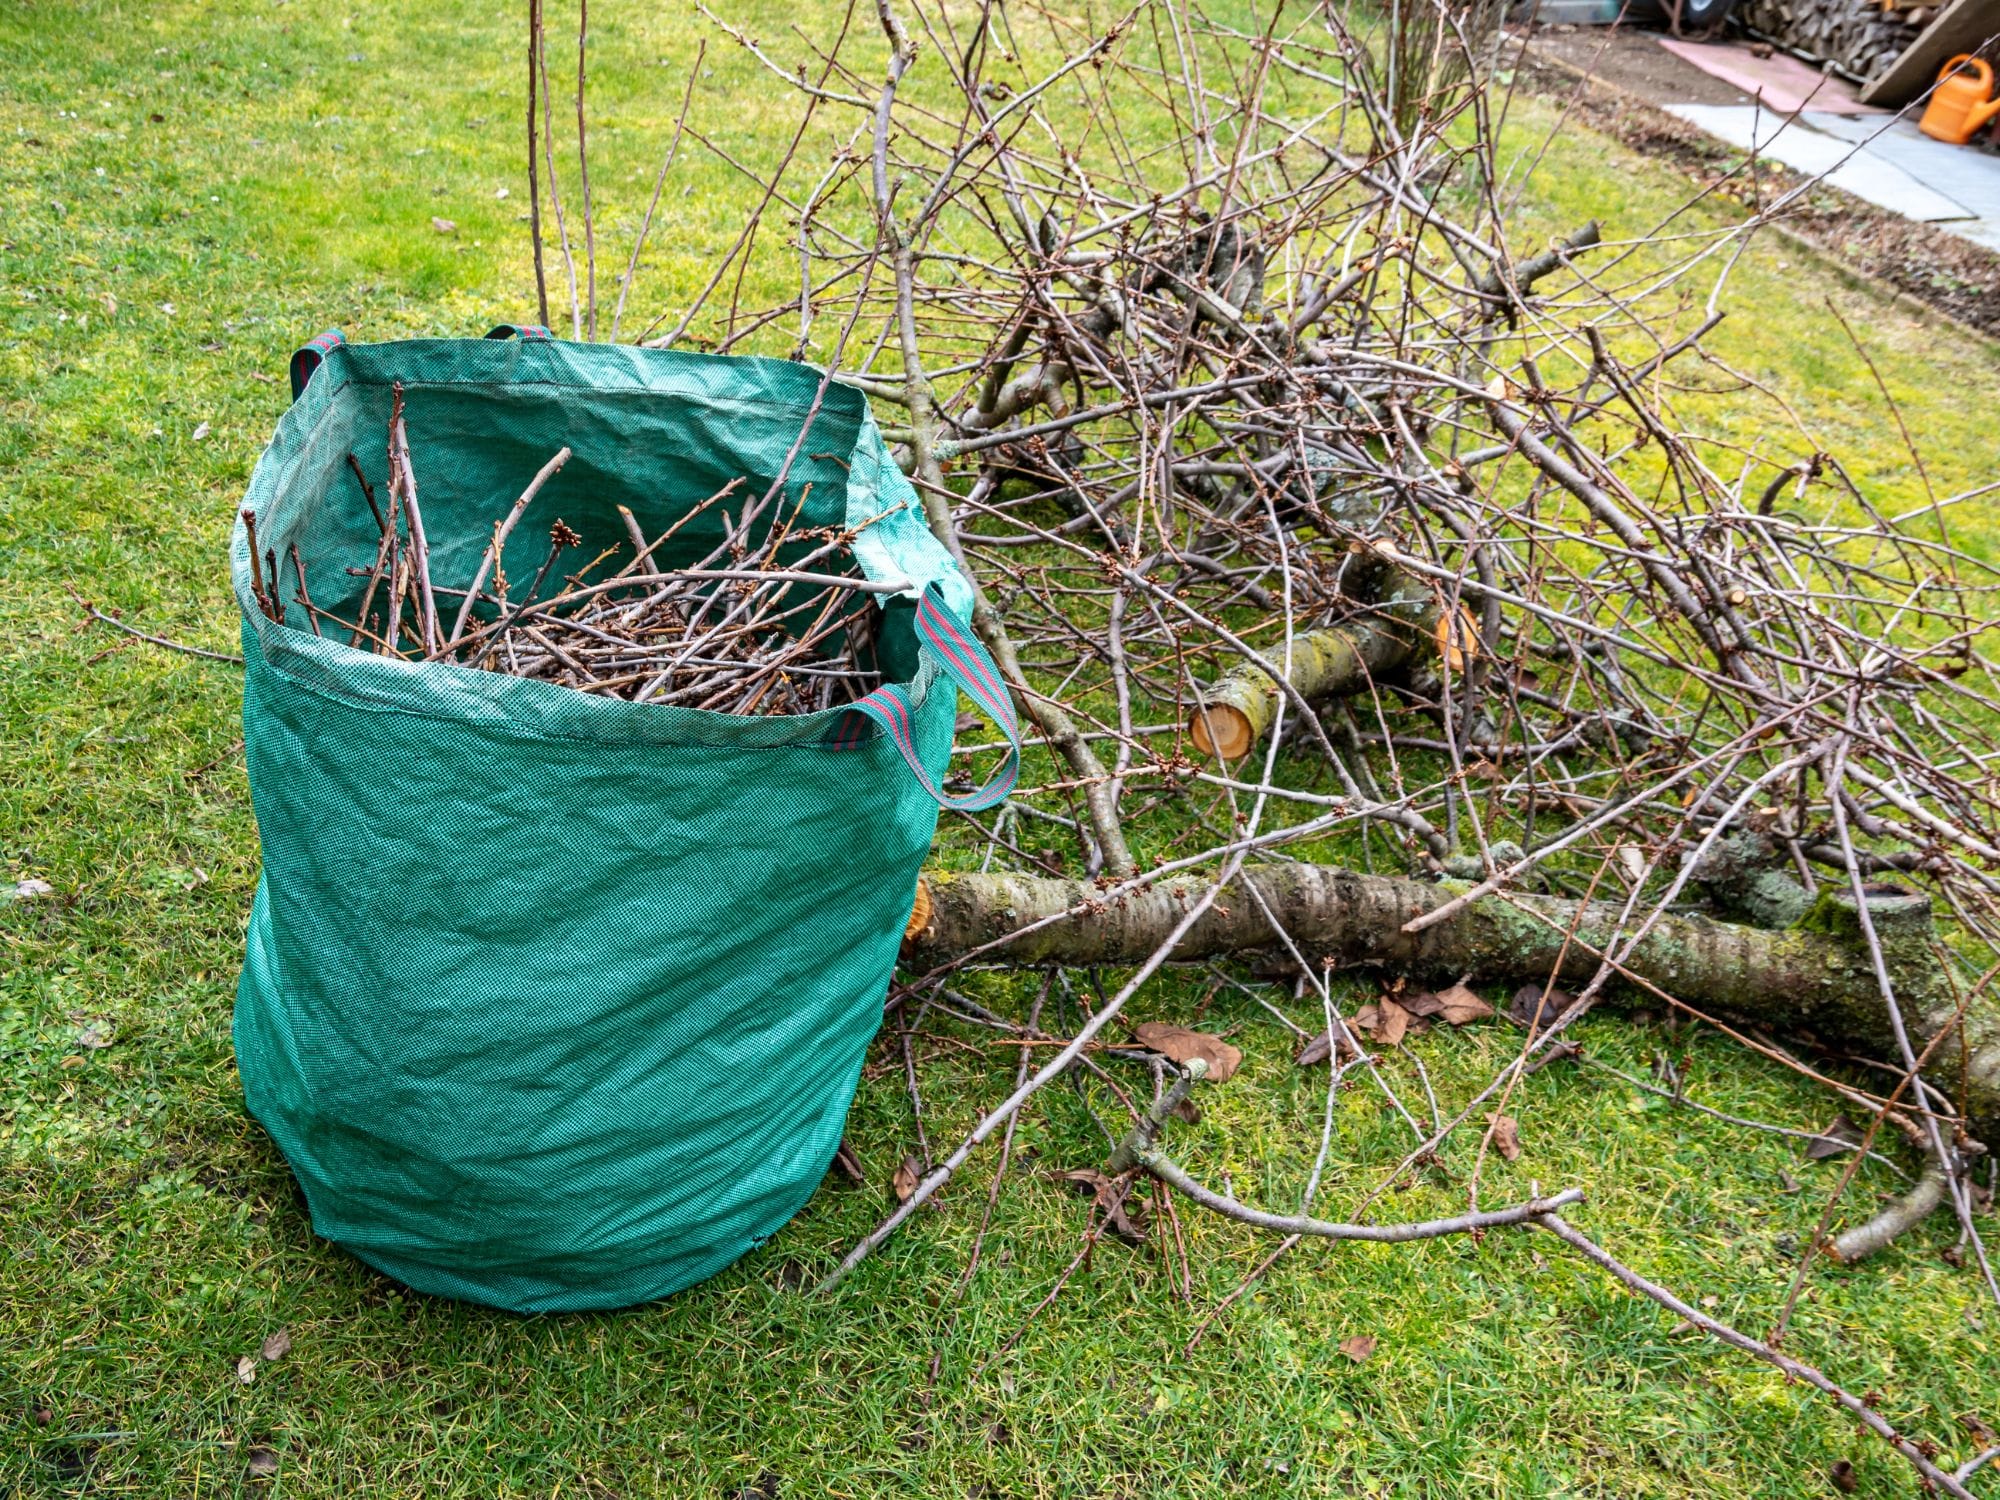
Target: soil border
1868,247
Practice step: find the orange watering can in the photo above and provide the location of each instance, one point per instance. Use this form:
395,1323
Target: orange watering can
1959,106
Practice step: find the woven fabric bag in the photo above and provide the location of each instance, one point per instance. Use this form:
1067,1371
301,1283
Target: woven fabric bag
554,1000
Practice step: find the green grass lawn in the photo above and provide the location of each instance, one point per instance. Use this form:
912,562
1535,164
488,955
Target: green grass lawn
191,190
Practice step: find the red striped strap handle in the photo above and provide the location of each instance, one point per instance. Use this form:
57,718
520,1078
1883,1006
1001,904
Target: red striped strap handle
964,661
309,358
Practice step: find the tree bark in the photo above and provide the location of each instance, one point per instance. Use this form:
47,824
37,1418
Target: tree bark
1402,623
1238,708
1815,976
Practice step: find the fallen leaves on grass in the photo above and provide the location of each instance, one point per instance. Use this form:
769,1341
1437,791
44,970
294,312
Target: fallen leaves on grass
96,1035
1506,1136
263,1463
848,1162
444,226
32,889
1843,1476
1183,1045
1458,1006
1396,1016
277,1345
908,1175
246,1368
1358,1347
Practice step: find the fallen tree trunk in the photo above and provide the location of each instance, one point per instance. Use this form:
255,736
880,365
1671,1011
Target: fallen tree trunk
1814,977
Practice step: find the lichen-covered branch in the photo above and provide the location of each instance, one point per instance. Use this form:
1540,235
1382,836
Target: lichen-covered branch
1237,710
1814,976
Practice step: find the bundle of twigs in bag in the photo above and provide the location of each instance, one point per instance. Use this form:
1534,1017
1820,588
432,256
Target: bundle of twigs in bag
741,630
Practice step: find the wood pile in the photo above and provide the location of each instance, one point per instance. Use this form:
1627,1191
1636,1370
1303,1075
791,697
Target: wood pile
1861,38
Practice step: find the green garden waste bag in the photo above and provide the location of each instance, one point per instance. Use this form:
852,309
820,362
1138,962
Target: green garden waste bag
554,1000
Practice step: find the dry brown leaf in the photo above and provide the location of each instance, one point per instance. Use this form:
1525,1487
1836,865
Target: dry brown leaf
97,1034
1506,1137
1457,639
246,1368
444,226
1458,1006
1837,1139
845,1159
1182,1045
1105,1194
277,1346
263,1463
1386,1021
908,1175
1358,1346
1529,997
1843,1476
1322,1047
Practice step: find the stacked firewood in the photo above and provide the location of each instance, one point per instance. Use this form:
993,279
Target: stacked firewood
1859,38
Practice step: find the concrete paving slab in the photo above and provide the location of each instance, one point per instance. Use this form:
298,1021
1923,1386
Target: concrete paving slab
1964,175
1778,80
1843,163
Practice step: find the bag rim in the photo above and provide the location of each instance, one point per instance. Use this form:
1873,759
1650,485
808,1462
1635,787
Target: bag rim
329,668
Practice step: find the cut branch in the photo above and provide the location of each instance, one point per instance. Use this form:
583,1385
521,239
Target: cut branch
1161,1166
1341,661
1816,976
1896,1220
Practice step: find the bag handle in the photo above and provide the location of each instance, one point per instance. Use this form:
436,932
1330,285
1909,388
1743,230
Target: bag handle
306,362
965,662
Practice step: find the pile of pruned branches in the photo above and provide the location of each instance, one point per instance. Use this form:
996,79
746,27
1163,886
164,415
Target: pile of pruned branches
1308,510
